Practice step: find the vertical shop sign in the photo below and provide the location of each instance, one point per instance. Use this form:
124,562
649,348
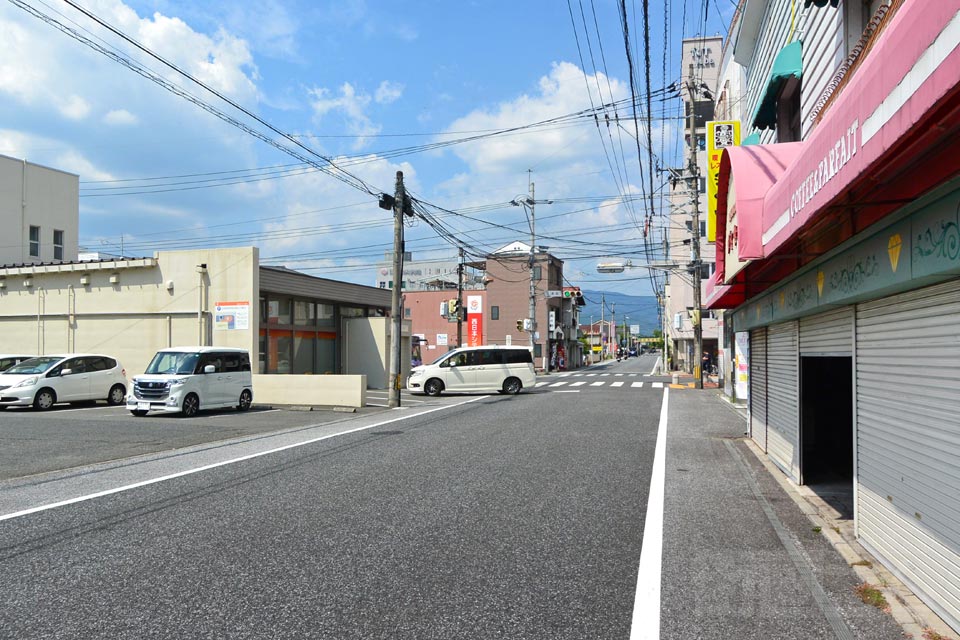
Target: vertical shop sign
719,136
474,321
741,366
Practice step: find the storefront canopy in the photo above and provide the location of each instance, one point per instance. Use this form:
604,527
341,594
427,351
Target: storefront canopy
788,64
897,107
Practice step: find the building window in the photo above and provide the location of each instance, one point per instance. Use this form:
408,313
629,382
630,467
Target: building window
494,313
57,244
537,273
788,112
406,312
34,242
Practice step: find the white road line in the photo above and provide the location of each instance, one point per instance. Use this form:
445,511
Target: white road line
656,367
619,383
593,375
179,474
543,384
577,384
558,384
636,385
646,603
598,383
656,385
618,374
567,391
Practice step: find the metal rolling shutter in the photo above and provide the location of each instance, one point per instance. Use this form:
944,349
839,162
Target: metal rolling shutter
827,334
783,413
908,439
758,387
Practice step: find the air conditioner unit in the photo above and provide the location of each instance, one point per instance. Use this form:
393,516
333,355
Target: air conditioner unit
115,278
84,280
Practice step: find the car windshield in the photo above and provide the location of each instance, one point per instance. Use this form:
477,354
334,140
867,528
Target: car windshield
33,365
442,358
173,362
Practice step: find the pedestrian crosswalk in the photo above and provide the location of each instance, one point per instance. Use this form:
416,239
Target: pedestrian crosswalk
574,381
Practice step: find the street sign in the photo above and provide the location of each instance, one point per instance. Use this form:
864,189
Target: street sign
553,293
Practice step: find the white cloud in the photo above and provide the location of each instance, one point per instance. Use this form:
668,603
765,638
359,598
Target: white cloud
560,93
388,92
351,105
74,108
120,117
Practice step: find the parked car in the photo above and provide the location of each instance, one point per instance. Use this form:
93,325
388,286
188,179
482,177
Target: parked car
46,380
491,368
7,360
187,379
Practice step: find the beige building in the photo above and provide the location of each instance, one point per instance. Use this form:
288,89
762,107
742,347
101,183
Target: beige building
129,308
39,213
701,63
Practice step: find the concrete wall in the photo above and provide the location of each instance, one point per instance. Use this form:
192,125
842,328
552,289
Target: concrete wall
34,195
334,391
367,350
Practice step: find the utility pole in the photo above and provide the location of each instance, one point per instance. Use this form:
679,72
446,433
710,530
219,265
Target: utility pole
533,283
694,181
613,325
603,343
393,400
460,299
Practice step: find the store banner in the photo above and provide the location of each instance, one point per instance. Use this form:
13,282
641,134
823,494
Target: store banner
474,321
720,134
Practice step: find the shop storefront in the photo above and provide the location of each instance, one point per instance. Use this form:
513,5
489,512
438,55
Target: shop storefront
844,269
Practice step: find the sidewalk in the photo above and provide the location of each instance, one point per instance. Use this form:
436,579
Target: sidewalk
749,554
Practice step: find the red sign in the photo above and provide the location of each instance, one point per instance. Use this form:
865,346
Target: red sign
474,321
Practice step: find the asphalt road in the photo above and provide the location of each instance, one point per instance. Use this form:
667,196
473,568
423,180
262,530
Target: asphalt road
464,516
510,517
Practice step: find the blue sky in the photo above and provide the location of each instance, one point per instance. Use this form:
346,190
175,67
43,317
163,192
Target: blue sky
361,83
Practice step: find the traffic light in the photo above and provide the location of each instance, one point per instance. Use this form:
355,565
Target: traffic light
519,325
453,307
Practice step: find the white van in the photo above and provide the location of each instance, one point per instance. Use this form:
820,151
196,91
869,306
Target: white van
187,379
491,368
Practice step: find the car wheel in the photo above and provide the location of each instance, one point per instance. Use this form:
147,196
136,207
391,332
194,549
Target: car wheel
191,404
117,395
433,387
45,399
138,413
245,399
512,386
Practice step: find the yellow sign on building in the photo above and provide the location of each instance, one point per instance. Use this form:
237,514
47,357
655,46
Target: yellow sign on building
720,134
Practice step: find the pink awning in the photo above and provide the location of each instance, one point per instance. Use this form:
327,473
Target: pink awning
910,69
754,169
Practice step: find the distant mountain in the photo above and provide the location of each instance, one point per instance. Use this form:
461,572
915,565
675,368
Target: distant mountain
641,310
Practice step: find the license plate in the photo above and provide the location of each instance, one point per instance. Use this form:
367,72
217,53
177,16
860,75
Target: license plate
143,406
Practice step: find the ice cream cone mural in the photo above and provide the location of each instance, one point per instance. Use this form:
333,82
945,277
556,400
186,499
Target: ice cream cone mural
893,250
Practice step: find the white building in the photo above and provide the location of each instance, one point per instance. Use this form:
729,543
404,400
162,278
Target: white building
39,213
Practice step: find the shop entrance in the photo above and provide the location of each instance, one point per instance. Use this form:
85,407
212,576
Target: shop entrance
826,422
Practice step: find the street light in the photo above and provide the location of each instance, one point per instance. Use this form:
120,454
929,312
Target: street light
528,203
670,266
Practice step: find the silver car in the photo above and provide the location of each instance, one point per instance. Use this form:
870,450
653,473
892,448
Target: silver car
46,380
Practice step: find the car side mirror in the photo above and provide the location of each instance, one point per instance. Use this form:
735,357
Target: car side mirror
66,372
209,369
